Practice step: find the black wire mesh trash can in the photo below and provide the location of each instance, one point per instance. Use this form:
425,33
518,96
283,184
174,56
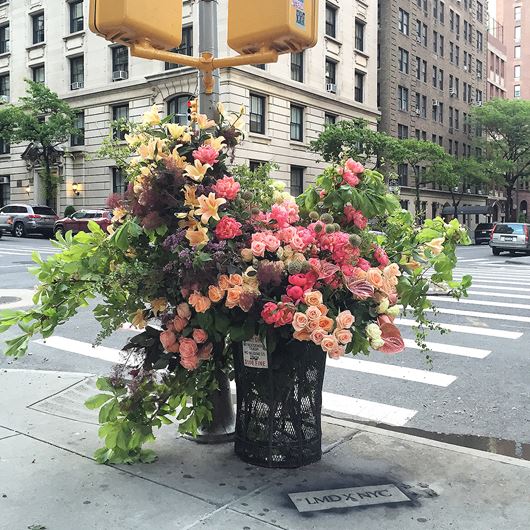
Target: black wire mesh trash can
278,421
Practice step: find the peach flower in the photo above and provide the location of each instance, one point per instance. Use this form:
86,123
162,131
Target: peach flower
300,321
324,310
258,248
216,294
336,353
326,323
179,323
313,324
168,338
313,313
375,277
205,352
313,298
302,335
233,297
235,280
317,336
344,336
224,284
392,270
247,255
184,311
345,320
329,343
188,347
199,335
200,303
190,363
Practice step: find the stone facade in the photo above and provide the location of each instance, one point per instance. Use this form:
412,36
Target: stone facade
81,67
432,70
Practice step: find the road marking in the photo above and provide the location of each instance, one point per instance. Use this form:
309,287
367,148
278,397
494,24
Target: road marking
390,370
500,295
463,351
473,259
488,332
25,298
489,280
477,284
481,314
492,275
479,302
83,348
19,250
369,410
48,372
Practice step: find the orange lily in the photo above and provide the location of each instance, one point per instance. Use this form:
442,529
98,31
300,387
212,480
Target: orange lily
197,171
208,207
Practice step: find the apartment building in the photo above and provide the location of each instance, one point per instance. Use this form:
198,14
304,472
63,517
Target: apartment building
432,70
497,57
514,16
288,103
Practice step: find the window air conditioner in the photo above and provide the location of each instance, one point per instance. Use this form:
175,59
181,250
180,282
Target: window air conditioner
435,102
120,75
452,92
331,87
417,111
77,85
4,99
4,180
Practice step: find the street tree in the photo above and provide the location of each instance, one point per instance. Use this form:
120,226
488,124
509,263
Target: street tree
45,122
355,139
505,142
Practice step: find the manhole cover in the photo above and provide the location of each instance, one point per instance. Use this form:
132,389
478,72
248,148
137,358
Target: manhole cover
70,403
8,299
24,262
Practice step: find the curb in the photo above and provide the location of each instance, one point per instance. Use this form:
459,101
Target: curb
516,262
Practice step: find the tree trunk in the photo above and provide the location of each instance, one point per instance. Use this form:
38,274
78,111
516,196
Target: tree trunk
510,214
417,201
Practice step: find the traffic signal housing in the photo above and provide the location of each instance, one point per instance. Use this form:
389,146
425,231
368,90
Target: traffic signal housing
280,25
193,110
134,21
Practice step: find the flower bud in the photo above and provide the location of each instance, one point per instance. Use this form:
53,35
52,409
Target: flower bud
255,211
318,228
314,216
355,240
330,229
247,195
326,218
337,227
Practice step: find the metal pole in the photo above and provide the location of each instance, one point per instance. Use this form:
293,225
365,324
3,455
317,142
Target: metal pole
208,42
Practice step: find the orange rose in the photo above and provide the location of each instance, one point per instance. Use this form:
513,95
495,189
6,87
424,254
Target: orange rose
300,321
302,335
329,343
224,284
216,294
188,347
313,324
179,323
345,320
313,298
323,309
375,277
233,297
317,336
313,313
344,336
199,335
236,280
326,323
200,303
184,311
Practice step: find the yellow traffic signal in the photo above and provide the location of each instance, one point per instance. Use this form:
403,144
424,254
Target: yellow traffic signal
193,109
281,25
134,21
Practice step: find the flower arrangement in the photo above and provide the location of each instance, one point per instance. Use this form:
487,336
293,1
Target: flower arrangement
204,258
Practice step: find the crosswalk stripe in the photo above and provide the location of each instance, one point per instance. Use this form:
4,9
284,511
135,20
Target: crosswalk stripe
437,347
499,295
490,280
19,250
83,348
484,284
489,332
492,275
369,410
490,303
390,370
481,314
472,259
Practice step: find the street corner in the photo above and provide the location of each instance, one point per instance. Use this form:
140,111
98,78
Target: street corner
16,298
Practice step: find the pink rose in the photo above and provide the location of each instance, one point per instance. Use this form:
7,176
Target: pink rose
348,270
351,179
381,256
184,311
329,343
354,167
188,347
345,320
258,248
228,228
179,323
272,243
227,188
363,264
199,335
190,363
344,336
168,339
295,292
206,154
270,313
300,321
318,335
336,353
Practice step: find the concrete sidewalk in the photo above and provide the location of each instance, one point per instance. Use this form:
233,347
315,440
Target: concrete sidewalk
519,260
49,480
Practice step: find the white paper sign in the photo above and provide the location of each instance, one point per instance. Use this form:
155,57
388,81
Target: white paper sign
254,354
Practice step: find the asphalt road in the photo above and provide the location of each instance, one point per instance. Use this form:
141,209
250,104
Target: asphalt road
478,382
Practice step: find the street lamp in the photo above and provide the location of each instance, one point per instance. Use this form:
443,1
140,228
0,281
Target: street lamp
75,189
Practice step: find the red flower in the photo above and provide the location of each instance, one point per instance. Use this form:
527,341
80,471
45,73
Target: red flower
285,316
298,279
381,256
269,313
295,292
228,228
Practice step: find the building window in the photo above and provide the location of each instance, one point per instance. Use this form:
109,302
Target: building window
257,114
359,86
4,38
5,148
359,35
120,116
403,174
480,41
297,67
331,76
403,22
5,192
76,16
403,98
185,48
517,71
79,123
297,123
329,119
517,13
297,180
177,108
403,131
119,183
480,12
479,69
4,87
38,73
517,52
120,63
77,72
403,61
37,24
517,91
331,21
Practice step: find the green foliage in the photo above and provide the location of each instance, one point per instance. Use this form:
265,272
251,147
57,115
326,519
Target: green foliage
257,183
43,119
505,142
69,210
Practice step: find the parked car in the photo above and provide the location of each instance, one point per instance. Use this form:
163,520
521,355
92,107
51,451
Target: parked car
483,233
512,237
78,221
23,219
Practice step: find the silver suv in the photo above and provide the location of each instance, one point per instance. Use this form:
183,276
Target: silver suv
512,237
23,219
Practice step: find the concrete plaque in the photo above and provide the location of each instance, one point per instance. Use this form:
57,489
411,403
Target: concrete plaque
314,501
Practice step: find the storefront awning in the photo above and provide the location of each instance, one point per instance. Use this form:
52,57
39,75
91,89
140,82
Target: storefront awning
468,210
